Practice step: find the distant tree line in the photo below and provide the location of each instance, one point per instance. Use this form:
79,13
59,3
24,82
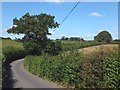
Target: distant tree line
72,38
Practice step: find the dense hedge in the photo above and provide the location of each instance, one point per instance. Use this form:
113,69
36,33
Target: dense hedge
61,68
76,70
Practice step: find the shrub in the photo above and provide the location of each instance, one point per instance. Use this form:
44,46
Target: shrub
61,68
53,48
32,48
103,36
112,76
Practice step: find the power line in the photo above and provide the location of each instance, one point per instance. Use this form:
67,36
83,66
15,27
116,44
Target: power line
69,13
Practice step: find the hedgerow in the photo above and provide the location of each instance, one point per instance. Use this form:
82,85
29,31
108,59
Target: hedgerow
61,68
76,70
12,53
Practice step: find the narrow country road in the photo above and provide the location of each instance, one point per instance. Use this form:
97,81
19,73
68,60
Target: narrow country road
25,79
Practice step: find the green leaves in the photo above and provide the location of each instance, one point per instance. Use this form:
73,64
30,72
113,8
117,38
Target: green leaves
112,75
103,36
35,28
61,68
33,23
78,70
53,48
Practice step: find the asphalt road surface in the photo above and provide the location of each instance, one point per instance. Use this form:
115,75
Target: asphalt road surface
25,79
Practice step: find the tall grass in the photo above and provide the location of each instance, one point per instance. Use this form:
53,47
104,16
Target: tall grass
11,53
11,43
11,50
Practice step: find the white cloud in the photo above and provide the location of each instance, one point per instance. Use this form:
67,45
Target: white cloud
59,0
95,14
56,1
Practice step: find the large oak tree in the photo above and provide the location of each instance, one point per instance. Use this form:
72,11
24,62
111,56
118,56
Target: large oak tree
35,29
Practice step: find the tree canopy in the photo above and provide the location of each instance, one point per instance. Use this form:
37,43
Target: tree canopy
33,26
35,29
103,36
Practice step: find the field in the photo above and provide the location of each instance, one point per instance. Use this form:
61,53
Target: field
11,50
106,47
13,43
74,45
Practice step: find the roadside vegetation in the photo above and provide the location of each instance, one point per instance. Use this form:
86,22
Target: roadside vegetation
11,50
73,68
77,69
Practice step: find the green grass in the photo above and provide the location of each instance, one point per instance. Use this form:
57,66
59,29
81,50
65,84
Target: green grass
11,50
70,42
13,43
74,45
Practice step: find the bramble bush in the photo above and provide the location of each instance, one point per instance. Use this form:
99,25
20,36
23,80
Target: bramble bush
112,75
76,70
53,48
61,68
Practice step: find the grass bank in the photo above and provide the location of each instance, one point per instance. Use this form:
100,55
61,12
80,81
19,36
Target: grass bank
11,50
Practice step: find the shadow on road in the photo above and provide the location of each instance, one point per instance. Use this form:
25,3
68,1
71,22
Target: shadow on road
7,76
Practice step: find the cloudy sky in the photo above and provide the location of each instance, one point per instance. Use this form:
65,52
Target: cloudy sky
87,19
59,0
